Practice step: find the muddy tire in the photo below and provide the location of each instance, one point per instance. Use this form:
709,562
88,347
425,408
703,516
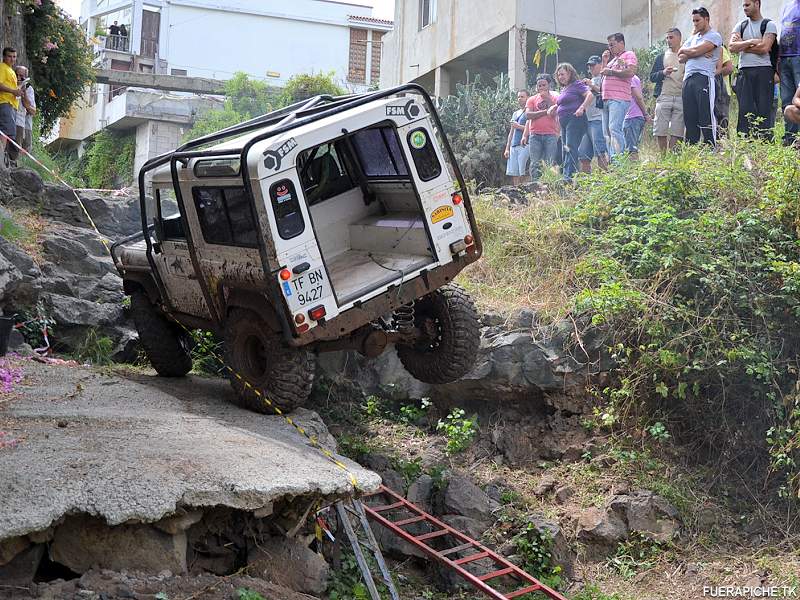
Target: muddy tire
167,346
449,353
252,350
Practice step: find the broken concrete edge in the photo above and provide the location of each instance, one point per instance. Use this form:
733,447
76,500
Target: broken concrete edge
247,501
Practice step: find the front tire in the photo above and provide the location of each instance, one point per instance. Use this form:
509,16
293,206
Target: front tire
167,346
449,351
257,355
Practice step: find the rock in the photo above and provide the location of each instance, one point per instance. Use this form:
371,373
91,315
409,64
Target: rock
492,319
179,522
22,568
573,453
10,278
420,492
27,180
524,319
82,542
564,493
10,547
648,513
472,527
546,484
600,531
462,497
290,563
394,481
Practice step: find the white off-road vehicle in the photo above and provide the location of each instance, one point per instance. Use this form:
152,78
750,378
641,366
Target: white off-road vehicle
335,223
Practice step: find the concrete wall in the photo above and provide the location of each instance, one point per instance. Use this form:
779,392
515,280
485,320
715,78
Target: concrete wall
460,26
154,138
216,44
591,20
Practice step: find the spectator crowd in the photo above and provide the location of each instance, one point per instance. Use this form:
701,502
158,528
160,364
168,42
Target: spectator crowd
603,114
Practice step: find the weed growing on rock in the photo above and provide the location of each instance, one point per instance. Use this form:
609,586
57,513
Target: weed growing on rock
534,546
411,413
246,594
458,430
638,553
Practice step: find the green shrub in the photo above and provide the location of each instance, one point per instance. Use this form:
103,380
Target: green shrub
95,349
109,159
458,430
60,59
476,120
535,547
690,267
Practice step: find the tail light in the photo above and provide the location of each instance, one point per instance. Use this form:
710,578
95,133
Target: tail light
317,313
468,240
457,199
300,318
303,328
285,274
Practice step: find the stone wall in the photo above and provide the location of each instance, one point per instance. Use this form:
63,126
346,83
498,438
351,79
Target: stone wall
12,30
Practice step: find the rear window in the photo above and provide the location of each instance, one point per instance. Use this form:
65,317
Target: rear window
423,154
379,152
225,216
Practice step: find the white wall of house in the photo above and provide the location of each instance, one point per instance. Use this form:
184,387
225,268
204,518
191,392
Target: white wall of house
214,39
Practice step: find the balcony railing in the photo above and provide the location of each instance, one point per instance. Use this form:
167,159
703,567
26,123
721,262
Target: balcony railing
120,43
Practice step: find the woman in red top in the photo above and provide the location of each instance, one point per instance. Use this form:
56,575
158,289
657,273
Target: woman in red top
541,130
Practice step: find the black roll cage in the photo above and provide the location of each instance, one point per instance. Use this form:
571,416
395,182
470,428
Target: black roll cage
283,120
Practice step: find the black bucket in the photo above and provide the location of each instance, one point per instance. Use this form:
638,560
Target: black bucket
6,327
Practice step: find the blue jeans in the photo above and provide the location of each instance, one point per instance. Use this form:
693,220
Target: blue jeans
594,142
633,129
614,112
573,130
790,79
542,148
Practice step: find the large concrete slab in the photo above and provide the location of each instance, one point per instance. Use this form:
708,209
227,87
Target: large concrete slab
137,447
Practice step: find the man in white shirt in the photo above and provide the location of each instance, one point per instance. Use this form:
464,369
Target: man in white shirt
700,53
25,112
753,39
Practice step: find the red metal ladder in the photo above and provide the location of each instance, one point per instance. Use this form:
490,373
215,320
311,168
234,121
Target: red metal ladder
464,554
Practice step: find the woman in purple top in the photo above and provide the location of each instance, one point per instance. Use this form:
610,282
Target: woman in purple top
571,108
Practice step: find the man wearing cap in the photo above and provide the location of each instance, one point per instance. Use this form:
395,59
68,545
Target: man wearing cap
9,100
594,142
667,74
700,53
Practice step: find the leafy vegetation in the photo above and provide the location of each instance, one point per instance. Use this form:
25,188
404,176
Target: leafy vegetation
637,553
247,98
94,349
109,159
691,268
535,547
60,59
475,120
458,430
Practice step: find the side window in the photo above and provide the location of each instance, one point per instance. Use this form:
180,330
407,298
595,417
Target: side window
286,206
424,155
225,216
379,152
169,216
323,173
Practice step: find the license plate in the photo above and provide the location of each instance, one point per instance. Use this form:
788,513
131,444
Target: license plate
308,287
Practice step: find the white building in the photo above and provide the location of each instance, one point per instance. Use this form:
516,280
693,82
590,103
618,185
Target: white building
437,42
271,40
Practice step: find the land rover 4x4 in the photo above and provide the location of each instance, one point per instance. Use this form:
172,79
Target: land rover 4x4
336,223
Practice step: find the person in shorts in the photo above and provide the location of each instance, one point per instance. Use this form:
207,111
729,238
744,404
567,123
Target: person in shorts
594,142
516,154
667,74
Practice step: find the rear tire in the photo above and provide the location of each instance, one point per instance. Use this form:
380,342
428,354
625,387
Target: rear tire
167,346
252,350
450,315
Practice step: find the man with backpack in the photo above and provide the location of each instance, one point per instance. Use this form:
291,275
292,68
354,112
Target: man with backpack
755,40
